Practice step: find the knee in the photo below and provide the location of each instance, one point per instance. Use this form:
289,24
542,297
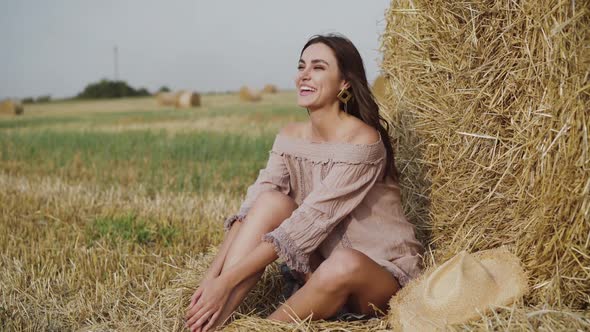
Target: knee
337,272
270,209
275,203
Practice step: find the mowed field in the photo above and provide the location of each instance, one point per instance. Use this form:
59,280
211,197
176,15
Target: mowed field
107,206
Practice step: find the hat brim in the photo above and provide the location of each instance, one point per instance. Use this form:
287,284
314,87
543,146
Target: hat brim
409,312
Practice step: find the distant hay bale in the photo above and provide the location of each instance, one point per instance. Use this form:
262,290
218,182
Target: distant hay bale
166,98
11,107
378,87
187,99
249,95
492,132
179,99
270,88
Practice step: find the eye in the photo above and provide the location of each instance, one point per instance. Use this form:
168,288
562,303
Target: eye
318,67
300,67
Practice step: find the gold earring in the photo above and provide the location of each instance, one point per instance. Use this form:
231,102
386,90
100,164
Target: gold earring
344,96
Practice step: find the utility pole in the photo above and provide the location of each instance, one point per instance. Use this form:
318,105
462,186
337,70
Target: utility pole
116,55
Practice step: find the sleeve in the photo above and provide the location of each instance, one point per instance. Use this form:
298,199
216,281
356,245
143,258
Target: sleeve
336,196
275,176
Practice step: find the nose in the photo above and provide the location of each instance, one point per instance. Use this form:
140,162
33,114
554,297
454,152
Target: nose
303,75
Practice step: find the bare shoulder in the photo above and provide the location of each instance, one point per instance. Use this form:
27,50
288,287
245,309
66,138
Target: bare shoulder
364,134
292,129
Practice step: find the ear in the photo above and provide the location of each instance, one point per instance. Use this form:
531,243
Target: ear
344,85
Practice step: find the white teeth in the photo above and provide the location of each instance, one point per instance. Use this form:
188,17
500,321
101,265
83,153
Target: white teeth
306,88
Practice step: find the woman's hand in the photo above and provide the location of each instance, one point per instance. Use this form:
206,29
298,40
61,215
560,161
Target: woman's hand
207,303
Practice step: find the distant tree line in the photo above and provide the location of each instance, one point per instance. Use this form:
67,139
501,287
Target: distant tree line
101,89
40,99
111,89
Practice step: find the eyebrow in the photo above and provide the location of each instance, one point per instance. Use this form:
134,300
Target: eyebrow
316,61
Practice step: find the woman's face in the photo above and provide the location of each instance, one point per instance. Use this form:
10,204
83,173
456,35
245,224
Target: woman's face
318,78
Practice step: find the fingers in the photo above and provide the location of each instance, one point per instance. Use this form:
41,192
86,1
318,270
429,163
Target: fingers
191,323
195,297
196,329
212,320
194,302
198,314
191,311
202,319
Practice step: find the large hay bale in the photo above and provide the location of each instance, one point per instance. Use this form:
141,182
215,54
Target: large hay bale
378,88
270,88
491,123
246,94
167,98
11,107
187,99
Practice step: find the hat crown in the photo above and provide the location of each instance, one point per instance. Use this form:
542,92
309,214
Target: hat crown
459,281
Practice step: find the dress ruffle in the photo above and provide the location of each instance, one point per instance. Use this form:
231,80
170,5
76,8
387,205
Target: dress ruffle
229,221
288,251
399,274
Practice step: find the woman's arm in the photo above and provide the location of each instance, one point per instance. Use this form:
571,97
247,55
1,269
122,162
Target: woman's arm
217,264
256,261
275,176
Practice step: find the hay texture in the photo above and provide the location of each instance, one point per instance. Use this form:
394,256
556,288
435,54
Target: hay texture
11,107
270,88
188,99
490,103
378,88
249,95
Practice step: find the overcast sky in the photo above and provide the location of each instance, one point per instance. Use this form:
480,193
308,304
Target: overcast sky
57,47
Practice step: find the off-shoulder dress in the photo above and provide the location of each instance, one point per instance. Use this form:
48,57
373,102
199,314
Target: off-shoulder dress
342,202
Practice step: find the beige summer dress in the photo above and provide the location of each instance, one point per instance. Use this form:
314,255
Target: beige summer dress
342,201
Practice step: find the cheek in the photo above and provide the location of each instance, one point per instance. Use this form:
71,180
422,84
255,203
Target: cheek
329,88
330,82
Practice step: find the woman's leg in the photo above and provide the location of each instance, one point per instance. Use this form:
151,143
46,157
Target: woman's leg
347,276
268,211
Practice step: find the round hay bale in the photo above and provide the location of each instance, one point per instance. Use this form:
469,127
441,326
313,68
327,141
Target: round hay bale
187,99
492,132
11,107
270,88
249,95
378,87
166,98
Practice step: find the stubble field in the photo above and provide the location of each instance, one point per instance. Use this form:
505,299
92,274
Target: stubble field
107,208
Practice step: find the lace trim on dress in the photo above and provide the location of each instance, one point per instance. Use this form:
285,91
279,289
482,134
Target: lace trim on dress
399,274
288,251
229,221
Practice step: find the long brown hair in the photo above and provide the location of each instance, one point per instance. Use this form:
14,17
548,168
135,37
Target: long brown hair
362,105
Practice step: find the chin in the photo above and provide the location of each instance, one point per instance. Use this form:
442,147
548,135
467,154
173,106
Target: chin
305,103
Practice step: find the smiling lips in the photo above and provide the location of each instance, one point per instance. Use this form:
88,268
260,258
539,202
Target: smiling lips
306,90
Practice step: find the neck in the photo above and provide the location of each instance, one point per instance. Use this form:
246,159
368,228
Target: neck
326,122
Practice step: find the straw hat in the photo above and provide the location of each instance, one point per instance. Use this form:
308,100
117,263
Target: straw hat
459,290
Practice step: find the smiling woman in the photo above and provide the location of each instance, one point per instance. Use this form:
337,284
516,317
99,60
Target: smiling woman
327,203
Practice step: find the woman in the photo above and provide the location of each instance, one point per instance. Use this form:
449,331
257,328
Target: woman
327,204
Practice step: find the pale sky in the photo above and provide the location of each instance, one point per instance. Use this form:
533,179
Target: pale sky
57,47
